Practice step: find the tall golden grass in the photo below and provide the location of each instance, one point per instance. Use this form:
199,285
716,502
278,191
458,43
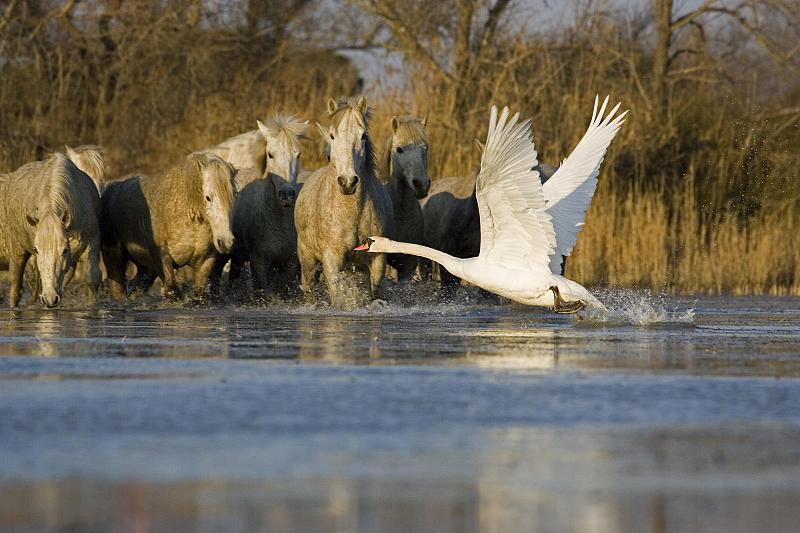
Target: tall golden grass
697,194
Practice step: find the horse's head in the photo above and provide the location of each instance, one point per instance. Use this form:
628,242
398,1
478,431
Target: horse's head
348,141
283,135
285,190
408,153
219,190
52,251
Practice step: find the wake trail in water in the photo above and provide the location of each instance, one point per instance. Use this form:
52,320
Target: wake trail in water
638,307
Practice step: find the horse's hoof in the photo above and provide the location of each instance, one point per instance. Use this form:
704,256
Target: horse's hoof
172,296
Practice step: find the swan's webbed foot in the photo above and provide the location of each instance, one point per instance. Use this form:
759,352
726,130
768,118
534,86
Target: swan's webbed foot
564,307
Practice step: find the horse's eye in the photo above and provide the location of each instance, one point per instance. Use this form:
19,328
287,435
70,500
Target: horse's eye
331,136
399,150
364,136
208,198
298,157
269,154
35,251
66,250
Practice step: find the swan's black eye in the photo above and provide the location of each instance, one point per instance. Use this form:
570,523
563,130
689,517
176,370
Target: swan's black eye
208,198
399,150
269,154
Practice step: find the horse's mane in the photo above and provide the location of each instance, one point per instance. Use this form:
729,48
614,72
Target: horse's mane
57,184
289,125
90,156
222,174
183,184
347,105
410,130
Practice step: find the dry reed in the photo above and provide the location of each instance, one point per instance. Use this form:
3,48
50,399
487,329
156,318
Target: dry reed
697,195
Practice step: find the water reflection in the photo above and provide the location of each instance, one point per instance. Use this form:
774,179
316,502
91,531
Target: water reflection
478,427
720,342
367,506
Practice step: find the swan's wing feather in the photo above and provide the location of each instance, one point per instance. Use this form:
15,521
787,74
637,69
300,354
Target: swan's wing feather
515,227
569,191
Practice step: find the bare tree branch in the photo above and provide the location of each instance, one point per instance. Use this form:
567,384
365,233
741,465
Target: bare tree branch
405,35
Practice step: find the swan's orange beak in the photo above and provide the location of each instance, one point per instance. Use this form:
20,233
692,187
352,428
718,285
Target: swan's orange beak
364,247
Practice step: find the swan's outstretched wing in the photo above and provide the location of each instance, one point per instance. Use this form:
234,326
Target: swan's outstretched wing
569,191
515,228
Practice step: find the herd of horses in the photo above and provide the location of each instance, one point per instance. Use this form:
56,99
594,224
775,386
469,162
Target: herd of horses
244,202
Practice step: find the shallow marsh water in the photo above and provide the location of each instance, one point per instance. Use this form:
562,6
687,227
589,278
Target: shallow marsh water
674,415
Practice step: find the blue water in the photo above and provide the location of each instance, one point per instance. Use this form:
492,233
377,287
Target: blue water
673,415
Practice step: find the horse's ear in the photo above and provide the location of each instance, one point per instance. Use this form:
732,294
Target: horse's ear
304,133
425,121
32,220
480,145
362,105
332,106
66,218
262,128
322,131
395,124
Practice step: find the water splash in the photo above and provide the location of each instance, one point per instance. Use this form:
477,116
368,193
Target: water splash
638,307
411,303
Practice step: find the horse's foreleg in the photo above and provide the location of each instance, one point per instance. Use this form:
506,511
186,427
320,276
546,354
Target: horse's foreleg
166,272
260,267
377,267
33,279
71,273
235,271
308,267
286,283
91,261
16,267
215,279
407,268
115,271
332,266
202,272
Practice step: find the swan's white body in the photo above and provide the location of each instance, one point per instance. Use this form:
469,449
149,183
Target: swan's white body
526,228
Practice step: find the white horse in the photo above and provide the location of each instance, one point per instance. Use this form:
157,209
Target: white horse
341,204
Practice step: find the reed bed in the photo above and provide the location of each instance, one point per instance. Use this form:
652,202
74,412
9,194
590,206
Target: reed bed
699,192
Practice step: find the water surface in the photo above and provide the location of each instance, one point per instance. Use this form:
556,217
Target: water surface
434,417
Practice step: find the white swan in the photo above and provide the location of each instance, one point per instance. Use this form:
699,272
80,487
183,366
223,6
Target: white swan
526,228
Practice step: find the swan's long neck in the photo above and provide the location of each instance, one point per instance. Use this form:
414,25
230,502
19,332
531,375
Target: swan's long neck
454,265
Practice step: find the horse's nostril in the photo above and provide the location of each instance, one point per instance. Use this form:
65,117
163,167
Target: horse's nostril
219,243
348,184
